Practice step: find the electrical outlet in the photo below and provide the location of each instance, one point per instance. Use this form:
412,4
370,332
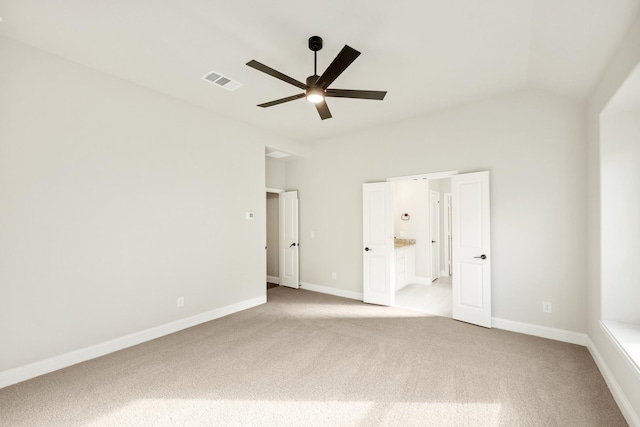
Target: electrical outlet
180,302
546,307
334,276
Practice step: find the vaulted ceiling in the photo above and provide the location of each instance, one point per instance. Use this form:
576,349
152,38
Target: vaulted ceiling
428,54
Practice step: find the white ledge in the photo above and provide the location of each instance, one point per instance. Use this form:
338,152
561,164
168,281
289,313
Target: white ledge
627,338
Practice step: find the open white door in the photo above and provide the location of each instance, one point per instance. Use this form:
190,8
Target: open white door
377,243
289,275
471,248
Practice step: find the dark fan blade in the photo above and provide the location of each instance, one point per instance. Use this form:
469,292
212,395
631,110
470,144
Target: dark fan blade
323,110
280,101
360,94
277,74
346,56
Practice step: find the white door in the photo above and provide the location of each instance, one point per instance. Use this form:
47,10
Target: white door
289,239
377,243
471,248
434,233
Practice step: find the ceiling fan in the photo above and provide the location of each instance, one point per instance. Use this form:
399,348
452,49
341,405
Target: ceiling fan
316,88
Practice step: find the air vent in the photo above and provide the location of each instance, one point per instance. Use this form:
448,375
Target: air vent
222,81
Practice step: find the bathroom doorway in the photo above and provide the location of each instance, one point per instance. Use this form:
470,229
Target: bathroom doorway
420,229
389,261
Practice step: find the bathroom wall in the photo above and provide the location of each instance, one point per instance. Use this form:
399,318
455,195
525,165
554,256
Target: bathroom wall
412,197
442,186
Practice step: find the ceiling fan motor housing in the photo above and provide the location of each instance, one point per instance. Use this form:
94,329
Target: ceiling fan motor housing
315,43
311,80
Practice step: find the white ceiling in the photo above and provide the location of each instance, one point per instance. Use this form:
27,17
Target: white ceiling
428,54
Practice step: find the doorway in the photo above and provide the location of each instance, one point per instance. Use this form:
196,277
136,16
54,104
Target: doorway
282,238
385,268
428,285
273,231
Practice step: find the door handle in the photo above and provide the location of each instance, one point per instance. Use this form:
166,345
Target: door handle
433,241
292,245
483,256
368,249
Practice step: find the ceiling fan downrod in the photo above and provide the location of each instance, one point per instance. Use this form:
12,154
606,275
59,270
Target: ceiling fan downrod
315,44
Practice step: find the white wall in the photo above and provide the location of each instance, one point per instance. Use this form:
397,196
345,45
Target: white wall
116,200
532,142
620,195
275,173
621,65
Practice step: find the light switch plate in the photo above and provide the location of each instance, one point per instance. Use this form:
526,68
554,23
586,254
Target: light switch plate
250,215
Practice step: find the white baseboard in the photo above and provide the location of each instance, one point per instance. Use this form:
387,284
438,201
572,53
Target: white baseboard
508,325
32,370
540,331
273,279
331,291
421,280
618,395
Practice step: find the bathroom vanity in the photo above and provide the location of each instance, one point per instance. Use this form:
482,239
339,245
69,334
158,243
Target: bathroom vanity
404,262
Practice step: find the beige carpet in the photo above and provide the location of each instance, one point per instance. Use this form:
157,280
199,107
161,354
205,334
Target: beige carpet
308,359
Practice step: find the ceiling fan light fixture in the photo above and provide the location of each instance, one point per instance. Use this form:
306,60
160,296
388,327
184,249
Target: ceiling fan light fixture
315,95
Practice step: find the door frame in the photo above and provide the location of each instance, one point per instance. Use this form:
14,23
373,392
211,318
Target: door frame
436,229
432,175
268,190
447,232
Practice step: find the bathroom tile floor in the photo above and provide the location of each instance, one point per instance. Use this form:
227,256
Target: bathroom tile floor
433,299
